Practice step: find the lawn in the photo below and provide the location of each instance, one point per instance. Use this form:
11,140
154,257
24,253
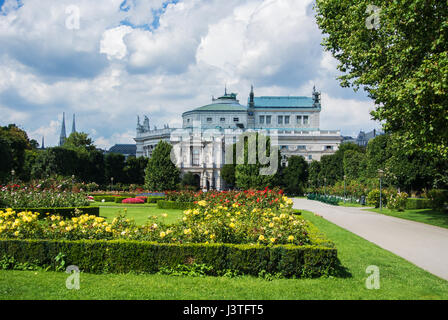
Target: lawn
399,280
428,216
138,212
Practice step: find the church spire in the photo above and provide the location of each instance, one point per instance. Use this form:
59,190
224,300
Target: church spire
73,125
63,135
42,146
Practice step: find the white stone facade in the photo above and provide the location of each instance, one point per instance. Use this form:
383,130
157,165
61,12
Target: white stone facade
207,131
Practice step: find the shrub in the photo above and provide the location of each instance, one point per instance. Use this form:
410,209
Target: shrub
119,256
417,203
33,198
154,199
373,198
105,198
63,212
163,204
439,198
397,201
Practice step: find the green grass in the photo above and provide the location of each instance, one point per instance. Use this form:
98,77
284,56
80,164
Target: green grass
349,204
139,213
399,280
428,216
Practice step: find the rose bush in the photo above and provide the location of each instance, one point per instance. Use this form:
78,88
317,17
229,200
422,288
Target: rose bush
213,221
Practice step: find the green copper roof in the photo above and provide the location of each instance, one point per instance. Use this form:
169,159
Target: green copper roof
222,107
226,103
283,102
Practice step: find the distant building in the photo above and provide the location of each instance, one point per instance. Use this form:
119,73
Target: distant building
125,149
293,121
63,135
363,138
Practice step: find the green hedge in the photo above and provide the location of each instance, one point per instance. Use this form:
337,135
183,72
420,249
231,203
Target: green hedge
120,199
63,212
415,203
105,198
163,204
121,256
154,199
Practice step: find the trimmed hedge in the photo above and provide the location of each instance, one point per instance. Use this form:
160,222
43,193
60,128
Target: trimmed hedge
105,198
163,204
415,203
154,199
63,212
121,256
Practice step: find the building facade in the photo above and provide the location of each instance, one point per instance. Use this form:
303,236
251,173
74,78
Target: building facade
292,123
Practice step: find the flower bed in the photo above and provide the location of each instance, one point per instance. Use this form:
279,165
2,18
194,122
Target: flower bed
27,197
133,201
251,219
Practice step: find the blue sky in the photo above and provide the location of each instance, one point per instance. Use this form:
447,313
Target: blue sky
159,58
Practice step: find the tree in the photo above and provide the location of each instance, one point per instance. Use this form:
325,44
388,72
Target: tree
354,164
161,173
79,141
295,175
314,173
191,180
135,170
402,63
114,167
228,174
247,176
13,144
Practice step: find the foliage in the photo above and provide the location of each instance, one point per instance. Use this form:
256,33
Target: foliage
247,172
17,197
323,198
13,145
415,203
161,172
295,175
439,198
373,198
192,180
402,64
228,174
119,256
397,201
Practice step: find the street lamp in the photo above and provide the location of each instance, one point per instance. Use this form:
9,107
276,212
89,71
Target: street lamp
111,183
381,174
345,177
13,172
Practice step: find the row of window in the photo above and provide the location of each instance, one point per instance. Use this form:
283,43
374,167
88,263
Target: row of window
302,120
210,120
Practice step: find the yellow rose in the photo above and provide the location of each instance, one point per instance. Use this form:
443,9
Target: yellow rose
261,238
162,234
271,225
273,240
232,225
291,238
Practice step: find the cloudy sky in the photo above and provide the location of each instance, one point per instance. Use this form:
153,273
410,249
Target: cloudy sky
108,61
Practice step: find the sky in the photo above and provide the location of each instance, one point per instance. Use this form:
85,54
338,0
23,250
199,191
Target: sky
108,61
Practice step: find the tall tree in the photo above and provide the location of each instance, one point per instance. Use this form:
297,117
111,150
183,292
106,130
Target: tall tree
248,173
114,167
161,173
401,60
295,175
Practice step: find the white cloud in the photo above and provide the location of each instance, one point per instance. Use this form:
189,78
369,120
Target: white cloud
108,73
112,42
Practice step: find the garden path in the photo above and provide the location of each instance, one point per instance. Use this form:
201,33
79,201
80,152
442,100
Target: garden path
424,245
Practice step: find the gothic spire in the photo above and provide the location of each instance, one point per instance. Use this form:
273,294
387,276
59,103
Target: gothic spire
63,135
73,125
42,146
251,97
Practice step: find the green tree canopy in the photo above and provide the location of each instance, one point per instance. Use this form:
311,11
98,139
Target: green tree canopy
161,173
402,62
295,175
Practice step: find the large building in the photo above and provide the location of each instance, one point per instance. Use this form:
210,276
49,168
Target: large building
292,123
